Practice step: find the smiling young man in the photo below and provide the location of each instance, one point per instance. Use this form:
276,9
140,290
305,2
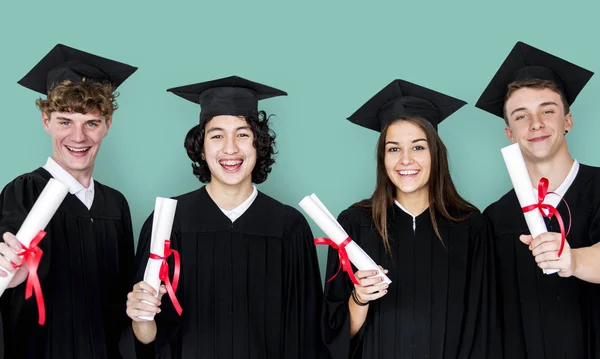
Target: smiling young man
250,285
88,249
557,315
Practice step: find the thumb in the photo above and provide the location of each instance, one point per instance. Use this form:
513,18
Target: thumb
526,238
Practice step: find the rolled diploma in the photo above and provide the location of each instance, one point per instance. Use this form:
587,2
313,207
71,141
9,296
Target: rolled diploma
325,220
515,164
38,218
164,213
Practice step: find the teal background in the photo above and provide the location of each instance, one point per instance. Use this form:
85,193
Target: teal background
330,56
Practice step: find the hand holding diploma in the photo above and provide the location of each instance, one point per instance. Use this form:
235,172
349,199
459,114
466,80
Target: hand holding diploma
532,207
339,239
29,236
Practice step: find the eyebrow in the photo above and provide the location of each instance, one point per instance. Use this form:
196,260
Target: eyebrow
396,143
214,129
68,119
549,103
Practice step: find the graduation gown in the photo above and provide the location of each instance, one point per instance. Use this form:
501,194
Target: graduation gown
85,275
441,302
248,289
547,316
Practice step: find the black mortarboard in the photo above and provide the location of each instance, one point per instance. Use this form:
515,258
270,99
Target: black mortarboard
66,63
525,62
232,95
401,99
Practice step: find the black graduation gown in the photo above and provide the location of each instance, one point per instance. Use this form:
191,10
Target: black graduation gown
85,274
546,316
441,302
250,289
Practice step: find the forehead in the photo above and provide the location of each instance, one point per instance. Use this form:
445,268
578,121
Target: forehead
404,130
226,122
528,97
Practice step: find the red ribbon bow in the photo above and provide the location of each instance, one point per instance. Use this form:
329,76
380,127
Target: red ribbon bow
31,259
342,254
552,211
164,273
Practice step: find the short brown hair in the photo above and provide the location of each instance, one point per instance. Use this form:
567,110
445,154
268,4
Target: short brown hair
81,97
535,84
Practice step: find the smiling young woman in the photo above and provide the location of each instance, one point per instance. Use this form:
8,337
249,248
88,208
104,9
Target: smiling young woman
433,244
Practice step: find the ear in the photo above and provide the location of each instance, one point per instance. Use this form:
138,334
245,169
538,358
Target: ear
108,124
568,122
46,122
509,134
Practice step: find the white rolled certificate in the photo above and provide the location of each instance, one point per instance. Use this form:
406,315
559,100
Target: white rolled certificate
328,224
162,223
38,218
515,164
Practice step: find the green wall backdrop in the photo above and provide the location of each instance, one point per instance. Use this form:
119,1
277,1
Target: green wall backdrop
330,56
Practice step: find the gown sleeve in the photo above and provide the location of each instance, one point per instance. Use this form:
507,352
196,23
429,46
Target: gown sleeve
302,290
336,314
481,333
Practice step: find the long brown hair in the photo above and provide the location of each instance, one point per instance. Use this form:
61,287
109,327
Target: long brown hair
443,196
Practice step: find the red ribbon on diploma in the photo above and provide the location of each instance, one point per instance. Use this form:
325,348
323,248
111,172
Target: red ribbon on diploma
342,254
540,205
164,273
31,259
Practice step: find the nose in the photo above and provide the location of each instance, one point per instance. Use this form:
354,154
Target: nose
230,145
78,134
536,123
405,157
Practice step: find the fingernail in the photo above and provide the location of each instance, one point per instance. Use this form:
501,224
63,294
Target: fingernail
385,291
374,273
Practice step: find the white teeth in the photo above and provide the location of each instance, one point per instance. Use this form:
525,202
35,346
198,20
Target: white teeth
78,149
230,163
408,173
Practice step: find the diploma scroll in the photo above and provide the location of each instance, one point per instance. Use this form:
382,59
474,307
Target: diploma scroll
164,214
328,224
515,164
38,218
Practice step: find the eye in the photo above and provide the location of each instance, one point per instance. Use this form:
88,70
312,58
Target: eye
519,117
64,123
216,137
92,124
243,135
418,148
547,112
393,149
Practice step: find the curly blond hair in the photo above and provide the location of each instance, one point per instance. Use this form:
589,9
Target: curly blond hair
81,97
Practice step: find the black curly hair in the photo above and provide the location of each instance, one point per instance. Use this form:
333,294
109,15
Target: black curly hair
264,142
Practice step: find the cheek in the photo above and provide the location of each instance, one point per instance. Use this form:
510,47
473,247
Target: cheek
390,161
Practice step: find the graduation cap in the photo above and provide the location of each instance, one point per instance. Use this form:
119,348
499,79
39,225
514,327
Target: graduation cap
66,63
526,62
232,95
402,99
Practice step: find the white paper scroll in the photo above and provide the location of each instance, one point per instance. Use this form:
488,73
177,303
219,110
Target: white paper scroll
162,223
515,164
328,224
38,218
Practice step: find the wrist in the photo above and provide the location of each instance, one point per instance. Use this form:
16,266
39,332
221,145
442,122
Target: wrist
357,300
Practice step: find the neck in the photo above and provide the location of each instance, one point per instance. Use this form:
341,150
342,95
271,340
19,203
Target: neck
84,177
555,170
415,203
229,197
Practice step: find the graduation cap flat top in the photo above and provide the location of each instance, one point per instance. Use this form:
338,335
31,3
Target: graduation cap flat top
401,99
526,62
66,63
232,95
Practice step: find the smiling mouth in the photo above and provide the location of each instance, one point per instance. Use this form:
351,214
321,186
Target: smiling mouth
231,166
408,173
538,139
79,152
